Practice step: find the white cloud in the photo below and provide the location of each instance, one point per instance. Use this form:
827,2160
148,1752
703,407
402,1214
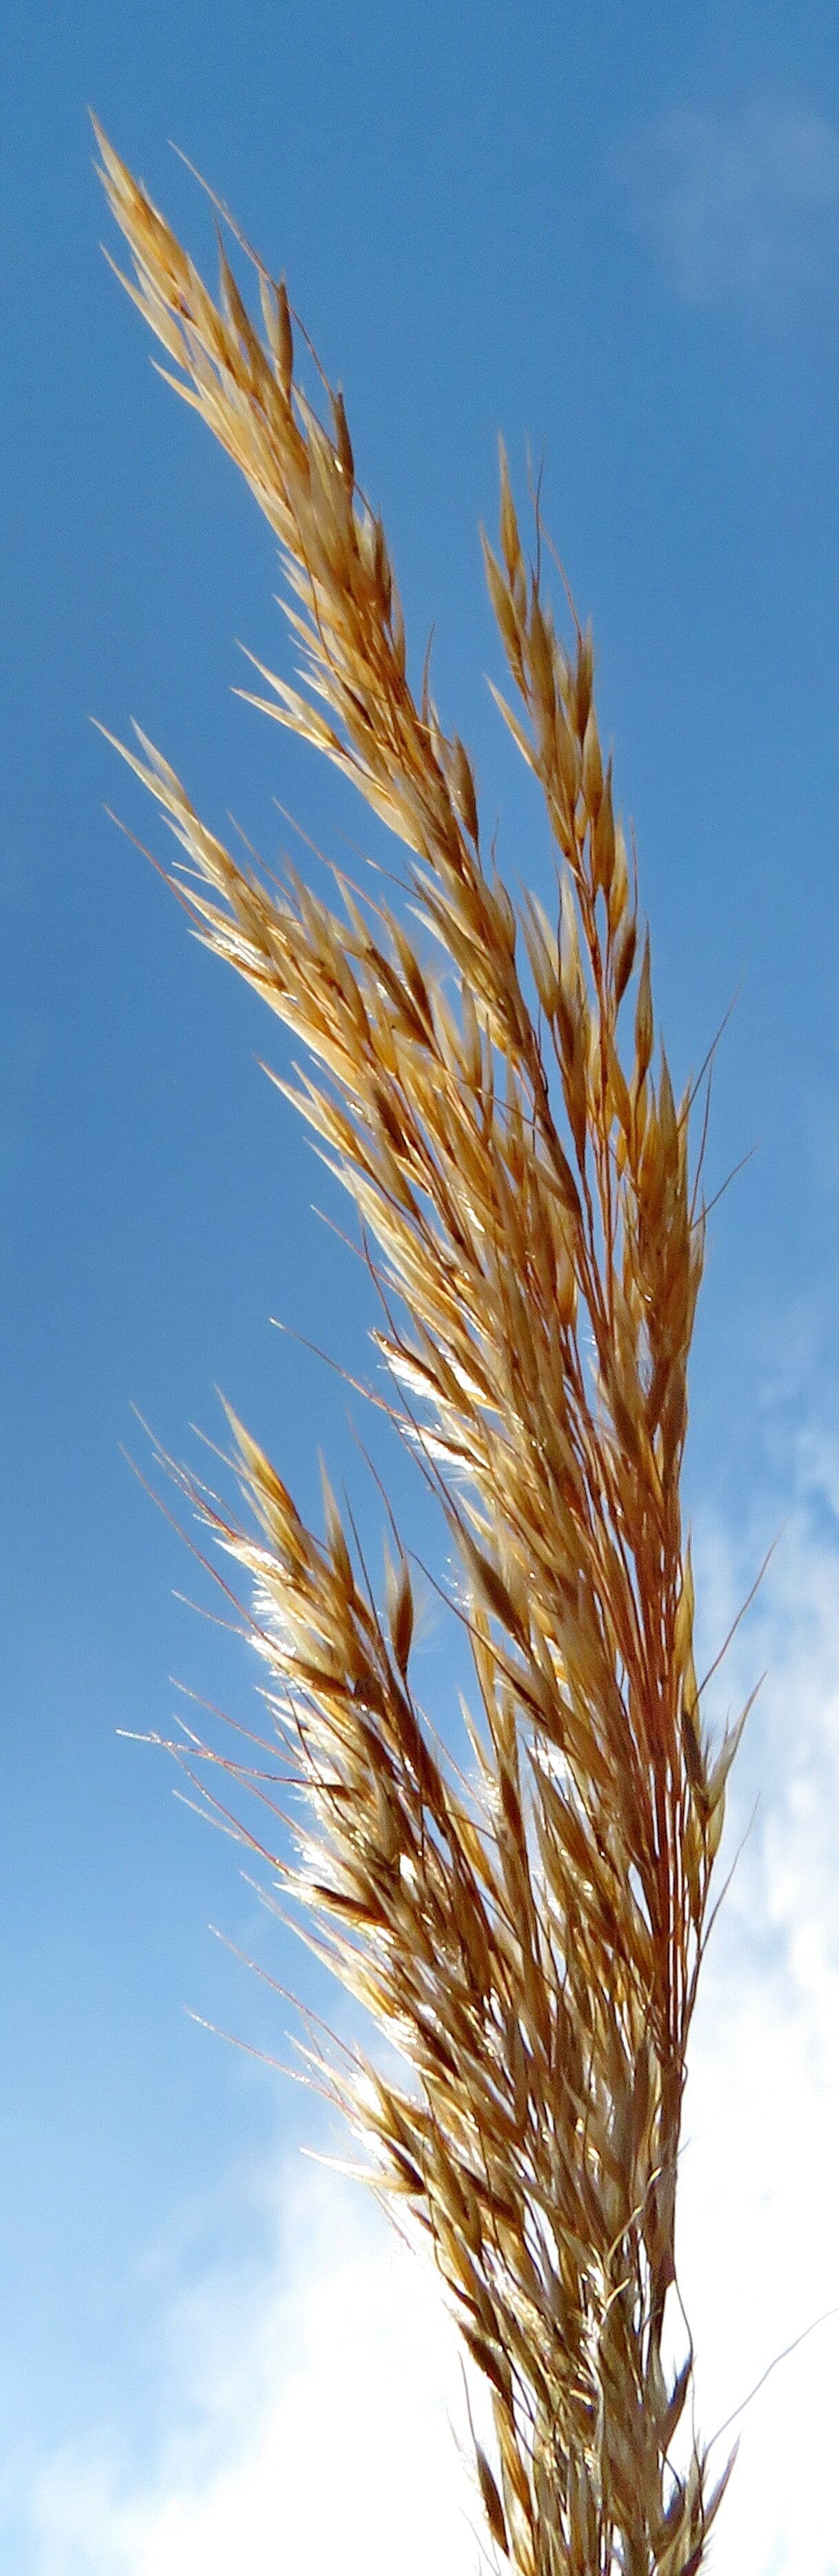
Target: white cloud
327,2442
741,211
310,2409
759,2247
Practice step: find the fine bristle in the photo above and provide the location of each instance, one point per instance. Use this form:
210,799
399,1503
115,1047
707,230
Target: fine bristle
530,1939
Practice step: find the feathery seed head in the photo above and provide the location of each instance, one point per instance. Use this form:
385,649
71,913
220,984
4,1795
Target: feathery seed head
529,1938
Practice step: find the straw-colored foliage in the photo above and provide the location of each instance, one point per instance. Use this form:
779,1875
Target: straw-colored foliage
529,1937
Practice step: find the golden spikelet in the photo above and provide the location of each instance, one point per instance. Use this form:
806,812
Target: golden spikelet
531,1940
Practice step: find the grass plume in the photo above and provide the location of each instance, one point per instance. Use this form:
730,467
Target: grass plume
529,1939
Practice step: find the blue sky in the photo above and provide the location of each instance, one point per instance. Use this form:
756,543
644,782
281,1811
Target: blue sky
614,234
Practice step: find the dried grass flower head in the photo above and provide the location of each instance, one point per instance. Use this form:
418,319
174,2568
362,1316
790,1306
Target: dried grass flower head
530,1938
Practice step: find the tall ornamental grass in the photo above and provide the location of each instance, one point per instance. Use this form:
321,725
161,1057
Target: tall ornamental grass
529,1935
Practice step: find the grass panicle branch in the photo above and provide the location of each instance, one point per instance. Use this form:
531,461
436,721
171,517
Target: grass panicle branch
529,1939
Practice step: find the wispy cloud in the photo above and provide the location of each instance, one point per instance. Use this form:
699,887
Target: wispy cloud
310,2412
741,210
